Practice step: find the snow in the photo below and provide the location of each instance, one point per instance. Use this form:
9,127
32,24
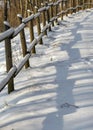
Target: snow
56,91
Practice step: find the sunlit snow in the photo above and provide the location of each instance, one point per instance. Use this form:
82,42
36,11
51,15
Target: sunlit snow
56,92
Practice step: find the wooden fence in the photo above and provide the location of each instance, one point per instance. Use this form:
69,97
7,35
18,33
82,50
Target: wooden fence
50,12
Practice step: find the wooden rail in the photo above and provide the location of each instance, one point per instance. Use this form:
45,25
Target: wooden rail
50,12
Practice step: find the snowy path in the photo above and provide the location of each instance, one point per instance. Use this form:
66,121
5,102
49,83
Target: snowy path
56,93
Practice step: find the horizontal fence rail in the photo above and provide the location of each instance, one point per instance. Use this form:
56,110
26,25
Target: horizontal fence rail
49,13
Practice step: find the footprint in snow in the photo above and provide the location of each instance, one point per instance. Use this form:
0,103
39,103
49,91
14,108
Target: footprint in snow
67,105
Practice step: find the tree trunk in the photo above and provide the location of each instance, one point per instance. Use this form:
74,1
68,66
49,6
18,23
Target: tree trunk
5,10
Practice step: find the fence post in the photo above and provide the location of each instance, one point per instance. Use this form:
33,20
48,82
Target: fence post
86,6
77,3
83,5
38,25
8,53
51,12
43,19
23,41
71,6
48,16
66,7
74,5
62,9
56,10
90,3
38,3
31,31
47,12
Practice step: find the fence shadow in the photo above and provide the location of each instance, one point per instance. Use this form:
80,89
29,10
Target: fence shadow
65,102
54,99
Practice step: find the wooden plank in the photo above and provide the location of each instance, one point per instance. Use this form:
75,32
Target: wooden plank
6,34
33,43
18,29
29,18
21,65
5,81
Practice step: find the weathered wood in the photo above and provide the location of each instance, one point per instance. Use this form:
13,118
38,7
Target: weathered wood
56,9
39,37
20,66
38,24
44,19
77,4
73,5
8,54
45,28
18,29
42,9
37,13
61,10
47,14
29,18
38,3
31,29
23,41
51,12
34,42
90,3
9,75
6,34
65,7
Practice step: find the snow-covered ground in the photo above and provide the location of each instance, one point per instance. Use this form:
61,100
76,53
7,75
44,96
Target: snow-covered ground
56,92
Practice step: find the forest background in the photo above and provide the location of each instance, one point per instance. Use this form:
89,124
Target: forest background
10,8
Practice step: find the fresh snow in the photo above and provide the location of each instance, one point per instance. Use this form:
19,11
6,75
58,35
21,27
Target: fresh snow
56,92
